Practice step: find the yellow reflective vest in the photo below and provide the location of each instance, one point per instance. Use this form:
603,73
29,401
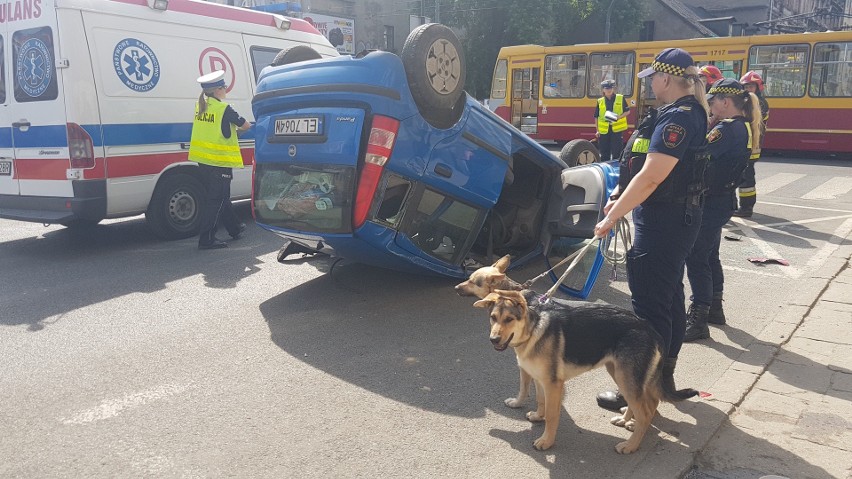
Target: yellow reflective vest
618,109
207,144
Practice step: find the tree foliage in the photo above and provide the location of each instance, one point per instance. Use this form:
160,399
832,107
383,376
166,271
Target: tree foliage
488,25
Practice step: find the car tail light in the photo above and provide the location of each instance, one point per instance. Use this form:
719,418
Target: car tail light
379,149
80,147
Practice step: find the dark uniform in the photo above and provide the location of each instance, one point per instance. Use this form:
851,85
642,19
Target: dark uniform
667,223
729,146
748,184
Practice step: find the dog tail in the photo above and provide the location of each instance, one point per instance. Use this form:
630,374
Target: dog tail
670,394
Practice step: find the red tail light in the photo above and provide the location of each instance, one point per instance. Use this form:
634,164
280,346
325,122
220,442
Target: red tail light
379,149
80,147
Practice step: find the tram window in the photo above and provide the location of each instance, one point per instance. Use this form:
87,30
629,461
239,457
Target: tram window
525,84
615,65
831,75
784,68
498,84
565,76
730,68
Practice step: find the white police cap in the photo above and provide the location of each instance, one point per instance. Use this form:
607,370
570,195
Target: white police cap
212,80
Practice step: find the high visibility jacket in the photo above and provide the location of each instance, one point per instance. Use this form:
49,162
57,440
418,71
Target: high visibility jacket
207,144
618,109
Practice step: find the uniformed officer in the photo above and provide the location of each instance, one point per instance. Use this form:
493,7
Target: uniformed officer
752,82
730,144
665,170
214,145
610,121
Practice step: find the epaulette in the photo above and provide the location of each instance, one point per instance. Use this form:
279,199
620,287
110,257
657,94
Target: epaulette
685,107
726,120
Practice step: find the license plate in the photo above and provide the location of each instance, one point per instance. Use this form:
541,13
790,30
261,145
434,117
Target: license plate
5,168
298,126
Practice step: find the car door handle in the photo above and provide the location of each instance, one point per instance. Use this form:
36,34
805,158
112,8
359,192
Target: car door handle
443,170
21,124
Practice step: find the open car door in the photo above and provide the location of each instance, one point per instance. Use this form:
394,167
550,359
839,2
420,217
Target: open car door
576,207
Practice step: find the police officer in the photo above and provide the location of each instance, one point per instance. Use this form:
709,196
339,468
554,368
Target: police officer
214,145
610,121
730,144
752,82
665,170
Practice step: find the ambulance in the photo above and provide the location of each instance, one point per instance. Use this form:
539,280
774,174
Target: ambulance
97,100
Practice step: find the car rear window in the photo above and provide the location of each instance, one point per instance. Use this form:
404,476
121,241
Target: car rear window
310,199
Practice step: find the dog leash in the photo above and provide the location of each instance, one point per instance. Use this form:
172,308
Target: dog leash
621,230
609,246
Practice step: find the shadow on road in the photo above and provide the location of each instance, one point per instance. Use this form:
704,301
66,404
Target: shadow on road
67,269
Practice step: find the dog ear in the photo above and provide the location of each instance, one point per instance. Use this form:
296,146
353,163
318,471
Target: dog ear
502,264
487,301
496,278
514,296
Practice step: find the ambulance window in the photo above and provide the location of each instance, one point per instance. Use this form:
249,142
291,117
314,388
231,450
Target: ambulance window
2,69
34,65
261,57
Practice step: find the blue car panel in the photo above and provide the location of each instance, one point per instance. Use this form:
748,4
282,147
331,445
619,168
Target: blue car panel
346,164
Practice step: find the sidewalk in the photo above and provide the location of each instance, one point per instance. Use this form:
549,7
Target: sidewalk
795,421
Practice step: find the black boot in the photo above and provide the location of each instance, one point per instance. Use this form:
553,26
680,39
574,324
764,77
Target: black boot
746,208
611,400
716,315
696,323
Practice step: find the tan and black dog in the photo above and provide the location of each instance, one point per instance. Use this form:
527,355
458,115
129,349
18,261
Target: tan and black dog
556,340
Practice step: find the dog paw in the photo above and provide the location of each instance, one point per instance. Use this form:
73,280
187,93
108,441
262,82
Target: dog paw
514,402
630,425
618,421
543,443
625,448
534,416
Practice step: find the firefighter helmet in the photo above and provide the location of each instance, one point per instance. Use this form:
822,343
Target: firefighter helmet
711,73
752,77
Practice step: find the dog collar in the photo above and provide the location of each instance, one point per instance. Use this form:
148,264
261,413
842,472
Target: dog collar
543,299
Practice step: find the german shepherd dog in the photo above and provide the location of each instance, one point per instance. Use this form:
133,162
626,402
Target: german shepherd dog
555,341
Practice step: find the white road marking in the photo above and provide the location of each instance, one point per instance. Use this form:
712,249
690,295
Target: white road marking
831,245
768,251
113,407
831,189
776,181
805,207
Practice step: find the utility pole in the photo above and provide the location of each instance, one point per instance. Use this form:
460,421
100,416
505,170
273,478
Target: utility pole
608,14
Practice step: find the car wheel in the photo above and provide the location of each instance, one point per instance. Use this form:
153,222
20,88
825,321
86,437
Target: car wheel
175,209
299,53
435,68
579,152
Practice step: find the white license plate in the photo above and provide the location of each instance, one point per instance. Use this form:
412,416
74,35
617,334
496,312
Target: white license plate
297,126
5,168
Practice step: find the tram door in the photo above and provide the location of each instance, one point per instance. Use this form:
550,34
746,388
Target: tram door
525,99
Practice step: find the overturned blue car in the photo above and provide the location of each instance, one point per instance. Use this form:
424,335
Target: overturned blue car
385,160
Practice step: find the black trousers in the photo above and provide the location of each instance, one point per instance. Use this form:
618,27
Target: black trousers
610,145
217,208
748,187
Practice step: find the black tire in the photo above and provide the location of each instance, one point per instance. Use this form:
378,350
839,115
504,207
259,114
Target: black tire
579,152
175,209
299,53
435,67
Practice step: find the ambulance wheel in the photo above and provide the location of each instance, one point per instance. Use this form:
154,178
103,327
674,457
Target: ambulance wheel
435,67
299,53
579,152
175,209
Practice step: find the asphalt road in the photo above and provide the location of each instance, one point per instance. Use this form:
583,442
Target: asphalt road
124,356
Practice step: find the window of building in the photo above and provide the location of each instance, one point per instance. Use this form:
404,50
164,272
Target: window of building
565,76
784,68
617,66
647,32
831,75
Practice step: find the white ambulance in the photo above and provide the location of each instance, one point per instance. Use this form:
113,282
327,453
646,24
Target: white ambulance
97,100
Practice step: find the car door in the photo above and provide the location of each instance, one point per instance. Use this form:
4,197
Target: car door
463,178
576,206
37,107
8,180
